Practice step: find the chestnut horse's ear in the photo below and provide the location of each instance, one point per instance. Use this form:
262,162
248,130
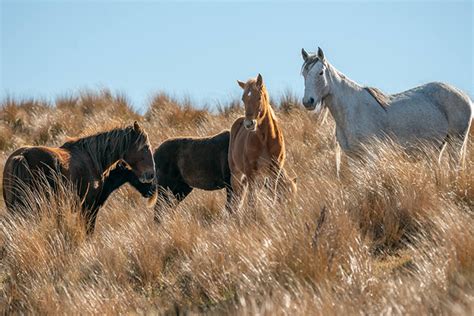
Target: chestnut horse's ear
137,127
259,81
241,84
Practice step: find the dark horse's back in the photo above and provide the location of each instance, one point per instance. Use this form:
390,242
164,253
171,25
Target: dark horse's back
20,169
195,162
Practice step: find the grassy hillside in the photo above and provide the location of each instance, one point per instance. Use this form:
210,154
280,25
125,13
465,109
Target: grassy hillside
398,235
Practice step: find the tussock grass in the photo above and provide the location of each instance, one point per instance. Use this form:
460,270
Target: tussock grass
393,235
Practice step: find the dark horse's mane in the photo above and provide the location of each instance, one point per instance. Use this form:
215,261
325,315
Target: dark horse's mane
101,145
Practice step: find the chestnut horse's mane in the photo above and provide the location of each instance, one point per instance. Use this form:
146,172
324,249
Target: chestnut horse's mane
100,146
266,102
265,97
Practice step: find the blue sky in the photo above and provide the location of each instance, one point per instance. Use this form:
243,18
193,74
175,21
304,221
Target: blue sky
199,50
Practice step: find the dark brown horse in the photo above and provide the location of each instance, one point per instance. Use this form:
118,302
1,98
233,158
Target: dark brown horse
186,163
84,162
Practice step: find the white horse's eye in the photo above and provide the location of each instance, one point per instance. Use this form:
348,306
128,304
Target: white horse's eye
321,73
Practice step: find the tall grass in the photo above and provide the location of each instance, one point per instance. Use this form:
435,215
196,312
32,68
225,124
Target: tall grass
396,235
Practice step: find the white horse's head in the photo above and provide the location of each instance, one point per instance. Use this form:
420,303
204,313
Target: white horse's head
316,83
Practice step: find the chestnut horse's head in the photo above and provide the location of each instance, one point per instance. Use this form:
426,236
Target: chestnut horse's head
139,155
255,100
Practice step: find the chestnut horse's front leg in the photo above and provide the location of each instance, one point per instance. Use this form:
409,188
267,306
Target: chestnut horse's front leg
229,196
252,198
276,173
238,183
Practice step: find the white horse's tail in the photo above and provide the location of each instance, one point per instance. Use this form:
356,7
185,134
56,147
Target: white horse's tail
466,140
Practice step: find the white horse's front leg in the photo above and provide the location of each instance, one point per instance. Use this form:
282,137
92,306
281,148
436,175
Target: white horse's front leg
338,159
341,143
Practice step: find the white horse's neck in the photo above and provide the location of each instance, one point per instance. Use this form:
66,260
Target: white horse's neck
345,96
343,90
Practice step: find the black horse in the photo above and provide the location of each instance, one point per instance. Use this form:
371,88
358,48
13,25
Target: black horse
181,164
119,175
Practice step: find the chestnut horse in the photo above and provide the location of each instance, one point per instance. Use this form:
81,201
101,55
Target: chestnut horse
256,147
84,162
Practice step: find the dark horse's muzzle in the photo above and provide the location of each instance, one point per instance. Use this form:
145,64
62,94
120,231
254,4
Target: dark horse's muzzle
147,177
152,188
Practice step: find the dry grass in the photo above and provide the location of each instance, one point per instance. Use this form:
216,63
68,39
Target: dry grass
398,235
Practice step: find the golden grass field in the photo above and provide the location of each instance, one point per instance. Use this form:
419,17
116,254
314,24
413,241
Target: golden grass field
398,237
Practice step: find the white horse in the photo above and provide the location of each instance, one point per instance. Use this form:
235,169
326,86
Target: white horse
434,112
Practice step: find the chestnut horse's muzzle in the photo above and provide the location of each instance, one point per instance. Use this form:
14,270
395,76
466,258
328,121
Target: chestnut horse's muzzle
147,177
250,125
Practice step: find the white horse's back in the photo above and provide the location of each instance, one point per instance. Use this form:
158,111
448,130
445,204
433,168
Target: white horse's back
431,111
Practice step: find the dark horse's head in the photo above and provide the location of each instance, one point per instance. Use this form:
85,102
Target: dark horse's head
123,174
139,156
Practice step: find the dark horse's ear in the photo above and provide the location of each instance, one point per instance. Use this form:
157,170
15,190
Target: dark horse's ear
122,164
241,84
137,127
259,81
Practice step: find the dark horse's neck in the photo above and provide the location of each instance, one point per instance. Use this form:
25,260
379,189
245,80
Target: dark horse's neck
104,149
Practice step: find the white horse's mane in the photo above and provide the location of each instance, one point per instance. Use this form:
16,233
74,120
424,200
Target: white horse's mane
381,98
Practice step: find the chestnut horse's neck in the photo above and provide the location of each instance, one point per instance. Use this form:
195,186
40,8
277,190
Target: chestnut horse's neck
106,148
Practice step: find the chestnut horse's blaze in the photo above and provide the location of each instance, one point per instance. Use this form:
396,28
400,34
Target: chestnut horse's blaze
84,162
256,144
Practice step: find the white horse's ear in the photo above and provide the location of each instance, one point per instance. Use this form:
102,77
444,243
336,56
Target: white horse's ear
320,54
304,54
259,80
241,84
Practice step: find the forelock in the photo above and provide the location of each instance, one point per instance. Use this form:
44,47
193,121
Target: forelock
252,83
309,62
